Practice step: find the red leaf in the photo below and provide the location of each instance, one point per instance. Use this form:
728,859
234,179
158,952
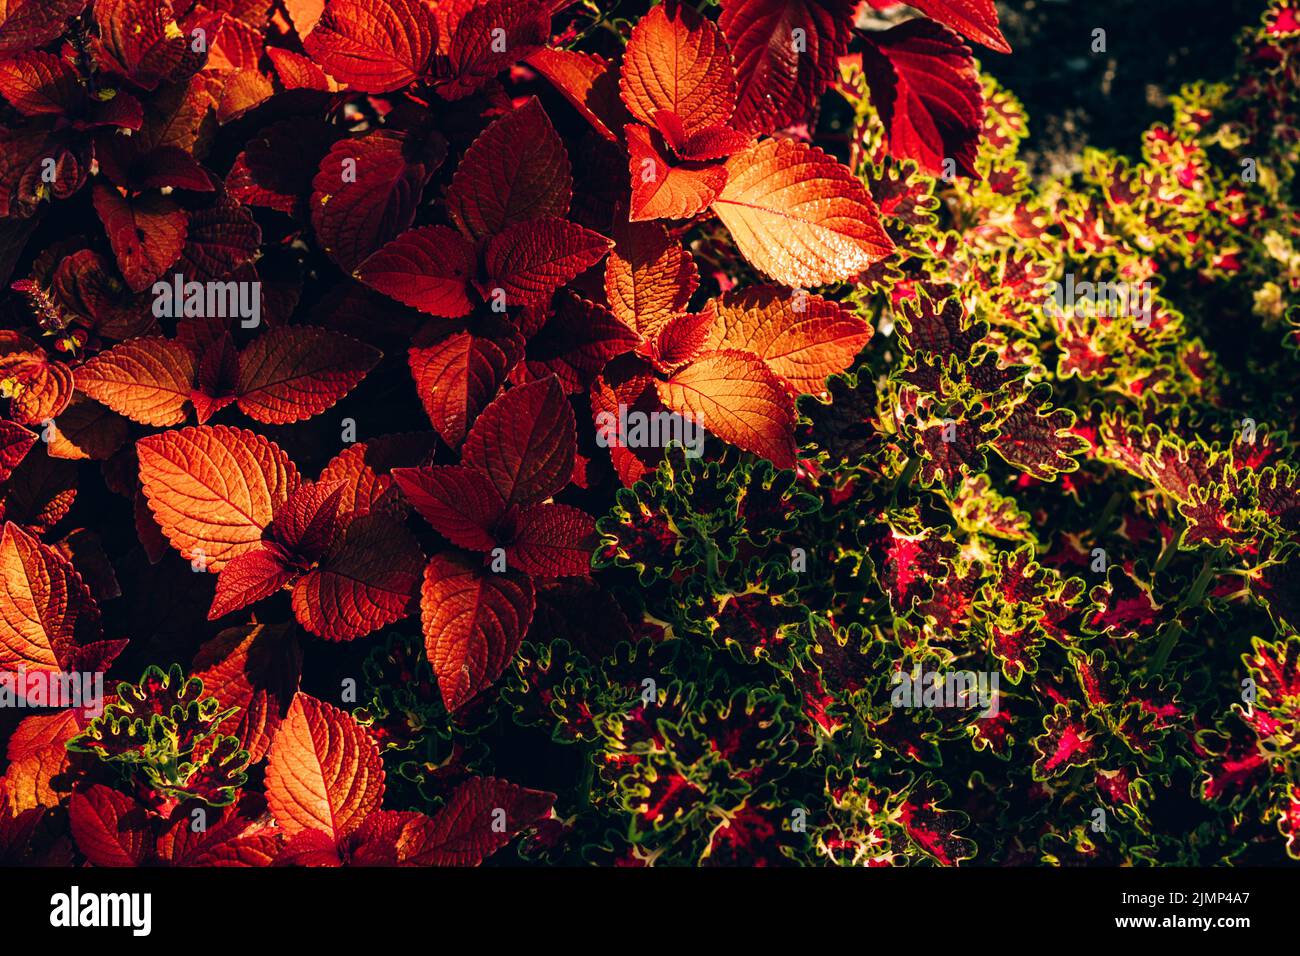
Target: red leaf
221,239
516,170
474,621
213,488
490,37
661,190
304,526
977,19
428,268
147,233
781,80
313,848
457,376
248,578
294,372
123,165
374,46
798,215
707,142
109,827
323,771
924,83
141,40
576,342
364,469
465,831
530,260
365,194
589,83
15,442
677,60
525,442
27,24
649,277
552,541
629,382
736,397
255,668
41,83
459,503
365,582
230,838
148,380
297,72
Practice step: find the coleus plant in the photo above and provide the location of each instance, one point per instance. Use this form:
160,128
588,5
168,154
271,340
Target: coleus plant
467,240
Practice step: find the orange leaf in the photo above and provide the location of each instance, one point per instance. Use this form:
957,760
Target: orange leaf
46,610
364,469
38,760
587,81
148,380
664,191
323,771
474,621
213,488
649,277
798,215
803,338
677,60
736,397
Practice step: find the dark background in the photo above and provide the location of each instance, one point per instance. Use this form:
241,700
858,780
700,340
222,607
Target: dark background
1078,98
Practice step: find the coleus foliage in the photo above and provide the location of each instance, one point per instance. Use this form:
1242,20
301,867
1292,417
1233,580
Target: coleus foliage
478,232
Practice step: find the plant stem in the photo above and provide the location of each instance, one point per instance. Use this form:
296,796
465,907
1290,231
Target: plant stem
1175,630
1106,512
905,479
588,776
1167,553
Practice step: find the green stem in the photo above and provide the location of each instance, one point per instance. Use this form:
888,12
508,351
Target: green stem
1166,555
905,479
1174,630
588,777
1106,513
1167,641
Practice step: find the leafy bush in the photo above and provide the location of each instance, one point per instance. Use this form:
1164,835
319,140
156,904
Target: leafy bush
778,473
